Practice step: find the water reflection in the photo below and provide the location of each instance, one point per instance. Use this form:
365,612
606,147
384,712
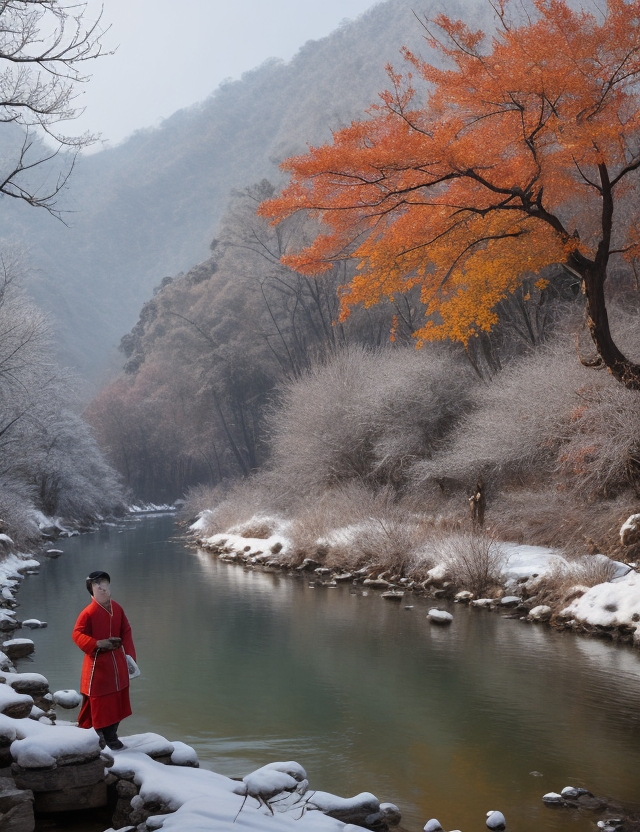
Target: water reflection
449,722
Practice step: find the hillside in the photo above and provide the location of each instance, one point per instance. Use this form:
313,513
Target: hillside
150,207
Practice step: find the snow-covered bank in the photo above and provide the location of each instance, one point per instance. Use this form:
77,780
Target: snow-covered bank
592,594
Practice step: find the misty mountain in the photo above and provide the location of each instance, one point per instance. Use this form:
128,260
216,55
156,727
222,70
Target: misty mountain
150,206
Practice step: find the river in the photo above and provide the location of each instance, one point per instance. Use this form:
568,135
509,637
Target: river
250,667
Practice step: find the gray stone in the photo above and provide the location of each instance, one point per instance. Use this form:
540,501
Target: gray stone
18,648
59,777
495,820
433,825
70,800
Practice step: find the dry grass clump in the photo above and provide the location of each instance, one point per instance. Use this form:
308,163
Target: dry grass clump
234,508
474,561
556,518
352,526
562,585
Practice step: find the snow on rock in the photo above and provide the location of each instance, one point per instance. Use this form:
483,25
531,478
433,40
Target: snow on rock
67,699
12,567
438,573
5,540
496,820
630,531
184,755
610,604
9,699
201,800
523,562
249,547
201,521
347,809
439,616
149,508
540,613
34,623
433,825
38,745
151,744
27,682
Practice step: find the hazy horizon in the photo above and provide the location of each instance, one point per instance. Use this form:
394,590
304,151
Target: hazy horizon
166,61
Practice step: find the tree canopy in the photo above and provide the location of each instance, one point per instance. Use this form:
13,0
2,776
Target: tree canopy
523,153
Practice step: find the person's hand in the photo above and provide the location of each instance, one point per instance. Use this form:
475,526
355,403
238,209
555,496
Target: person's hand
109,643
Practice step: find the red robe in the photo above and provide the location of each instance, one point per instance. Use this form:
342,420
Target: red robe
105,678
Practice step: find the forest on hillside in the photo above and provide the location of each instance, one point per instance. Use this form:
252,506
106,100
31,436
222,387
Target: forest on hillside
280,376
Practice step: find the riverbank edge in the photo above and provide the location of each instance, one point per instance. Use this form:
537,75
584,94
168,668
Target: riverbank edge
523,602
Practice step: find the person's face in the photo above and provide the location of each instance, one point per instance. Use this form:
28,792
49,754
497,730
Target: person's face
101,591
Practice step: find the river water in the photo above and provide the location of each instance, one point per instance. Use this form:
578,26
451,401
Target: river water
249,668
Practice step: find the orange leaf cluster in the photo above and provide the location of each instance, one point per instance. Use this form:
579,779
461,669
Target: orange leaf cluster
498,174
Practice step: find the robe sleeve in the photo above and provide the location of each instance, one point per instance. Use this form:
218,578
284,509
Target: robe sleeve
127,638
82,634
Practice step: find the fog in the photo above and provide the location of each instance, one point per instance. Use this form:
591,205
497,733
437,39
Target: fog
171,55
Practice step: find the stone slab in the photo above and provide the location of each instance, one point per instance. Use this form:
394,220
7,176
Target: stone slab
70,800
60,777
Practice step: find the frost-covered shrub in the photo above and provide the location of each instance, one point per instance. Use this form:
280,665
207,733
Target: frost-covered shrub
366,416
474,561
547,419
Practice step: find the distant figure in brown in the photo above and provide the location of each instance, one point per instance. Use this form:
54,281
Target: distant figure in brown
478,503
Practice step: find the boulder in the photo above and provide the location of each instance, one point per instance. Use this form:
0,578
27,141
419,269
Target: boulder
540,613
433,825
67,699
70,800
16,807
60,777
630,531
439,616
18,648
496,820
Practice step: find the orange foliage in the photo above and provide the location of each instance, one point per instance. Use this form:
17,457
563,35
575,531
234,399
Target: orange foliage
503,170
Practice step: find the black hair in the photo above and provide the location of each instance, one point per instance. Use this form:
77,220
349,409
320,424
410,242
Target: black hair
94,577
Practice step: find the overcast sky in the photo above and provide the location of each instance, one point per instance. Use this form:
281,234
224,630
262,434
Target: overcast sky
173,54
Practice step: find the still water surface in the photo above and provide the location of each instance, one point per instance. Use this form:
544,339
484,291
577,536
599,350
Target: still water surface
250,668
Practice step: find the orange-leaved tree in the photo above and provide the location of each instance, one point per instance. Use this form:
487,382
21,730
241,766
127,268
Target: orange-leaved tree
524,152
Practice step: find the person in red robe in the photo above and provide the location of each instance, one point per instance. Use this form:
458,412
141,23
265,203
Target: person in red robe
103,633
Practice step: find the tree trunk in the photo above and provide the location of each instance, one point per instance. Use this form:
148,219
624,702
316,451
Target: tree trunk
593,279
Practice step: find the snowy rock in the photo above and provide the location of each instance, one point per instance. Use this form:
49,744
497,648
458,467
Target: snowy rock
438,574
33,683
391,815
463,597
34,623
393,595
553,799
184,755
439,616
14,704
8,621
433,825
483,602
376,583
67,699
570,792
540,613
495,820
609,604
54,553
5,541
18,648
524,562
348,810
630,531
510,601
151,744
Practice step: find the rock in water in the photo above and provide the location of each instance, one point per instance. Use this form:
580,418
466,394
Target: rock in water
495,820
433,825
67,699
553,799
439,616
